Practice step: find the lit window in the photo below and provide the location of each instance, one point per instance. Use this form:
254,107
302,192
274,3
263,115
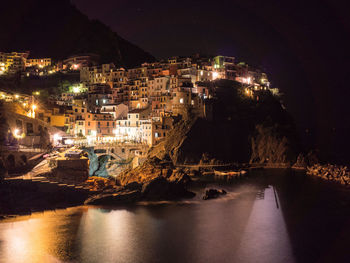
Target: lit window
181,100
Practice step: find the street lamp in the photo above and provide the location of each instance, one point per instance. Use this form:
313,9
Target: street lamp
16,132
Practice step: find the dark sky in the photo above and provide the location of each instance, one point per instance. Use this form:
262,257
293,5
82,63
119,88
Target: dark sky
302,45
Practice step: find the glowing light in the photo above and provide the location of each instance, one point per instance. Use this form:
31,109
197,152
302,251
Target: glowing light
16,96
247,80
24,104
17,135
76,89
215,75
34,107
57,137
68,141
75,66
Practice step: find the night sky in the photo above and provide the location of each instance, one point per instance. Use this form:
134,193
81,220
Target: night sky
302,45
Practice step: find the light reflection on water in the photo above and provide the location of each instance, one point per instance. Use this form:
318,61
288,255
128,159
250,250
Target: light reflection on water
245,226
266,232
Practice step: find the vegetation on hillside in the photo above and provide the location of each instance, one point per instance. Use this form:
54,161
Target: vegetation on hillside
243,129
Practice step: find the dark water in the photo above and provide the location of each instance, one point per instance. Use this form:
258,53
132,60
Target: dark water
276,216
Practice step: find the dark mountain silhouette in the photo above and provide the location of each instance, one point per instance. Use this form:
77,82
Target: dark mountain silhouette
57,29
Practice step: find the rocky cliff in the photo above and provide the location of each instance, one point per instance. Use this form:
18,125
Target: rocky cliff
243,129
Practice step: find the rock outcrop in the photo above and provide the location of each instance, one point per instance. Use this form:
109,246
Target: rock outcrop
149,170
156,189
271,145
162,189
154,180
120,197
336,173
97,165
213,193
241,130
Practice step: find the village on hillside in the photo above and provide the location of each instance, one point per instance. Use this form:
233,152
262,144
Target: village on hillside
116,110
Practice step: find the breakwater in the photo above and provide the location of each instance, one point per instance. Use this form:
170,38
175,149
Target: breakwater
337,173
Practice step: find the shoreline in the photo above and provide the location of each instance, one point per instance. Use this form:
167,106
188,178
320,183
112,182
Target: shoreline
75,198
331,173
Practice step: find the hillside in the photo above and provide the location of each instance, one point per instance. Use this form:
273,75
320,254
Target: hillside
242,130
57,29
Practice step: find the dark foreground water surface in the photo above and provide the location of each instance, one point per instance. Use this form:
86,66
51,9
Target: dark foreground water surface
273,216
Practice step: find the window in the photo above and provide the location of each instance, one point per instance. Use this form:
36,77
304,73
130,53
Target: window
30,128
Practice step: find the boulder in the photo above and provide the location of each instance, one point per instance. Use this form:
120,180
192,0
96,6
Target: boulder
179,176
161,189
121,197
213,193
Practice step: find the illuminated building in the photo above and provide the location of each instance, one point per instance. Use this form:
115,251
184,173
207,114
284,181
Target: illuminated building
12,63
136,127
225,67
99,125
38,62
77,62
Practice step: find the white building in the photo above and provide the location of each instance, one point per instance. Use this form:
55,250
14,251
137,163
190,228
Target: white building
119,111
136,127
